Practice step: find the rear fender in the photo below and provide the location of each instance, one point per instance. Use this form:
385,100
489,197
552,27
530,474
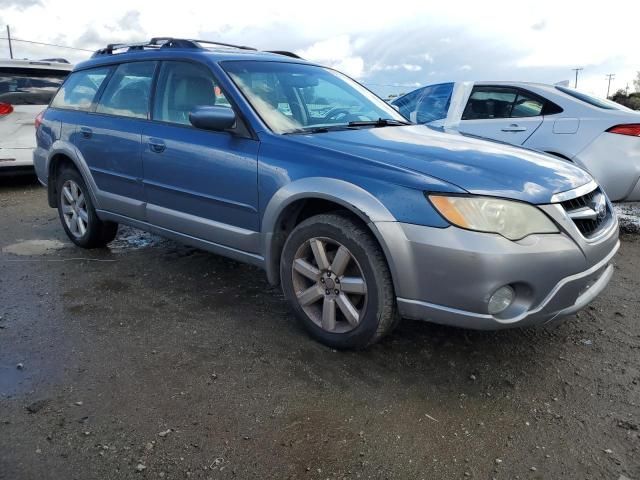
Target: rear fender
65,150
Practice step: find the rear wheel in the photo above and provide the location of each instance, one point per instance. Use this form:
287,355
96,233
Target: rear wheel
77,214
335,276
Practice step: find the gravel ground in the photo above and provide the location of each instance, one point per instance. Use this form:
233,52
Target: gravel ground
154,360
629,217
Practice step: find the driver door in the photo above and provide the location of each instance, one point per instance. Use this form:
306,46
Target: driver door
198,182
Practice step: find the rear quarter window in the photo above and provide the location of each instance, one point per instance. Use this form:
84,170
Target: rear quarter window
80,89
29,86
594,101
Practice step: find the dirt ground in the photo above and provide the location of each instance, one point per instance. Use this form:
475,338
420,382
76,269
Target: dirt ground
154,360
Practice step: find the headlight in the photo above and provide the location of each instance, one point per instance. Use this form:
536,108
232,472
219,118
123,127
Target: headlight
513,220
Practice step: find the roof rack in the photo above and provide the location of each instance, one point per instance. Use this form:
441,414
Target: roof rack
170,42
163,42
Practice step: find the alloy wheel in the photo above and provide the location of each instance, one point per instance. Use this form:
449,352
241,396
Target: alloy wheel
329,284
74,208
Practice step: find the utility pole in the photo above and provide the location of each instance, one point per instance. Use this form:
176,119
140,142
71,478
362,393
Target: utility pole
9,39
609,76
577,70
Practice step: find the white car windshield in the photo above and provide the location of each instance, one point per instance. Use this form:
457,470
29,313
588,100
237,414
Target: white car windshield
299,98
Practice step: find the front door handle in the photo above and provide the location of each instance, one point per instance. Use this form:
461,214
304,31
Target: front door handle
86,132
514,127
156,145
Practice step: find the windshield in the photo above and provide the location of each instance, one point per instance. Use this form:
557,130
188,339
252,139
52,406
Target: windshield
29,86
596,102
293,97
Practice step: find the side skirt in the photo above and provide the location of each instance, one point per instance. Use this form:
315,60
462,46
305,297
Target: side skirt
235,254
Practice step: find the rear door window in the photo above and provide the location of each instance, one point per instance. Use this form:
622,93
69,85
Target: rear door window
128,91
527,106
29,86
490,102
80,89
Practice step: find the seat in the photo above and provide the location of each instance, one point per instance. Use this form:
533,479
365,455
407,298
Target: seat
133,98
191,92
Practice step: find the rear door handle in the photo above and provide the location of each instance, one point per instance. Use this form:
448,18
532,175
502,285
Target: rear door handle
86,132
514,127
156,145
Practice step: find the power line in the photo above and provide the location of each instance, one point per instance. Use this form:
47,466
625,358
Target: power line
610,76
12,39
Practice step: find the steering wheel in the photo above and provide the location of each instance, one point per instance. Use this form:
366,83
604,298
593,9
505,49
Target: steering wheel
336,112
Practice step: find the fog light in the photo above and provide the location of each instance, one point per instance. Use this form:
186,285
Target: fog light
501,299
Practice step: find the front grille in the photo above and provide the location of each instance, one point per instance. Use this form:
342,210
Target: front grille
589,212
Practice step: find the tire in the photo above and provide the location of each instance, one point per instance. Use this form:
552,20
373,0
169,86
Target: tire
317,284
77,214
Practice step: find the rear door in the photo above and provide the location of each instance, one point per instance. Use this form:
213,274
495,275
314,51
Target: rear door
507,114
109,138
24,92
197,182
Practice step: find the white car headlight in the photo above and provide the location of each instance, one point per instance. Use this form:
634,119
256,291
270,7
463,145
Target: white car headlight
513,220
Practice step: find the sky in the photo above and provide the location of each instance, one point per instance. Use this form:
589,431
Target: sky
392,47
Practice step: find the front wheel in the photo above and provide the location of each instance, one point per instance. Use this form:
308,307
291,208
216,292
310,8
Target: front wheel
336,278
77,214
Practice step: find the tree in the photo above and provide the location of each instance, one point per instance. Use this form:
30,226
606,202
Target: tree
636,82
631,101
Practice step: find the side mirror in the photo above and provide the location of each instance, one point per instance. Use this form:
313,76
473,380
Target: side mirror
212,118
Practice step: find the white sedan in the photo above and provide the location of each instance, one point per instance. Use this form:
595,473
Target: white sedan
26,87
599,135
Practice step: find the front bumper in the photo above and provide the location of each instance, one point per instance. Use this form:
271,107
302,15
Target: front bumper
448,275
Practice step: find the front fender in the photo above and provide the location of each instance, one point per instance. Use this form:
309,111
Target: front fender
348,195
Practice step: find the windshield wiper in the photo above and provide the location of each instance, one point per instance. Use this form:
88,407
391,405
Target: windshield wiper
323,129
381,122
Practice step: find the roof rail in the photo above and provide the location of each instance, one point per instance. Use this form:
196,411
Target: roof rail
163,42
284,52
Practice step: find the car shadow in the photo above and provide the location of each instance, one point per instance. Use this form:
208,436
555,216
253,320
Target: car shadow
18,180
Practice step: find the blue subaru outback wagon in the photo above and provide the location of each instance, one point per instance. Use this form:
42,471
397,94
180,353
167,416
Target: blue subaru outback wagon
362,217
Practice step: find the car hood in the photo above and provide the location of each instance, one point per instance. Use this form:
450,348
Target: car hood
478,166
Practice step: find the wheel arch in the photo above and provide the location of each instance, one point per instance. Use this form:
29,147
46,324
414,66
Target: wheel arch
60,155
304,198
